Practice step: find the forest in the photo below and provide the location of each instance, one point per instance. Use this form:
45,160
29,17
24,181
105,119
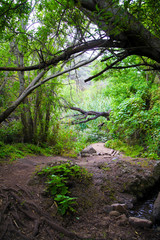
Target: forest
75,73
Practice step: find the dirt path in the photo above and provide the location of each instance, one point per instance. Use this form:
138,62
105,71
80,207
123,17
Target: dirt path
26,213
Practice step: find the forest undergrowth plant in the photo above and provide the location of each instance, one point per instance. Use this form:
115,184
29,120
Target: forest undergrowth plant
128,150
69,141
133,124
59,178
11,152
135,116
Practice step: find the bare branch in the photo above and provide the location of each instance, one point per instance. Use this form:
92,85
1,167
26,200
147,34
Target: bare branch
84,115
107,68
66,54
65,71
137,65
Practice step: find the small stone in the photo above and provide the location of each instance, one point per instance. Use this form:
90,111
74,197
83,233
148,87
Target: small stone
122,220
129,205
119,207
138,222
114,214
106,219
85,155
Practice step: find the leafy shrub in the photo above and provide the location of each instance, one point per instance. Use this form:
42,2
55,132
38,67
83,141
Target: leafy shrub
133,123
57,181
132,151
11,132
95,134
20,150
69,142
10,152
129,120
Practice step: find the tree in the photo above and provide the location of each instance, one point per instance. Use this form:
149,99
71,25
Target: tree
135,116
10,10
120,33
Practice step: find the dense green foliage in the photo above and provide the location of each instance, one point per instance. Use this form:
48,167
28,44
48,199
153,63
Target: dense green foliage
14,151
10,11
90,98
33,33
135,116
59,178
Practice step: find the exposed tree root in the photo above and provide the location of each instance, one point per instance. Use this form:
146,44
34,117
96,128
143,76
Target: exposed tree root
22,219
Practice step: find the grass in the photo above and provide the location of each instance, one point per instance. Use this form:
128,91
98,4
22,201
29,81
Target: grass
131,150
11,152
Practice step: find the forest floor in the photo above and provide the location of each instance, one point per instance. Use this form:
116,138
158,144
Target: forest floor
26,213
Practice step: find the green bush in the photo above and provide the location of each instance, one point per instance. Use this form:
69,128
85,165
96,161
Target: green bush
128,150
133,123
129,120
69,142
11,132
20,150
57,179
10,152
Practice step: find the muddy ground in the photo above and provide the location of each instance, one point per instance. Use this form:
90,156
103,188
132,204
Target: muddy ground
27,213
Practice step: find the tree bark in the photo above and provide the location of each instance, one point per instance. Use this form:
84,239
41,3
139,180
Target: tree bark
25,93
119,25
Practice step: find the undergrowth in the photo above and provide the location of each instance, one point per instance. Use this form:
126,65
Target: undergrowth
130,150
69,142
58,181
12,152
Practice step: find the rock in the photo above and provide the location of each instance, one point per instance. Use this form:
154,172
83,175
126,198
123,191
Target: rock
122,220
88,151
114,214
156,172
156,210
138,222
119,207
85,155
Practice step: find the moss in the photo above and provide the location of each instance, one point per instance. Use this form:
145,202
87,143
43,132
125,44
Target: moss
109,191
105,167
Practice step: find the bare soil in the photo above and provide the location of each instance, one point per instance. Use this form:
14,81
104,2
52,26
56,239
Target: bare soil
26,212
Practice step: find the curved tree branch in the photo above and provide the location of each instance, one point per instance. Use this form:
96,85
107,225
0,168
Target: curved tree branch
66,54
84,115
108,67
36,83
120,25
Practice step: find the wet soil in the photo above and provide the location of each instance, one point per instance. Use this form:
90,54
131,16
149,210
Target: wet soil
27,213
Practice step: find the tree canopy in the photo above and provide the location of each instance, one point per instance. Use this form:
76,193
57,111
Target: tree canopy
50,35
